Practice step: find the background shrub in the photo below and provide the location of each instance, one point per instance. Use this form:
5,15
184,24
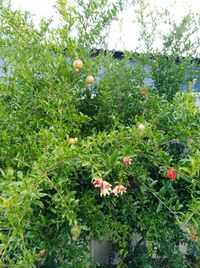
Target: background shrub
48,200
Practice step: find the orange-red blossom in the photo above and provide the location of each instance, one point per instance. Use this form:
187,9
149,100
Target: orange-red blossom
193,233
105,187
171,174
119,189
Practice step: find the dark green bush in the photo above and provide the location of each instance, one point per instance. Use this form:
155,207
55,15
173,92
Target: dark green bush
59,136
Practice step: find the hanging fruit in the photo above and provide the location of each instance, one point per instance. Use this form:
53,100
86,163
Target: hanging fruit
77,65
9,171
73,141
75,232
89,80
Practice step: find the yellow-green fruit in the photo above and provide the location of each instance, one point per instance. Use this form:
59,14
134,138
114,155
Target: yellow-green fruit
73,141
75,232
9,171
77,65
89,80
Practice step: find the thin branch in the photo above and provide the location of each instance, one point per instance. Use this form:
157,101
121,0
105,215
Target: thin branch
188,219
5,229
171,211
7,245
61,162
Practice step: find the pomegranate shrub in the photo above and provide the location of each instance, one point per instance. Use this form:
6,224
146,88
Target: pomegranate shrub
88,150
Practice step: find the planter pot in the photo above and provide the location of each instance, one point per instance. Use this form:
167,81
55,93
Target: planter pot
104,251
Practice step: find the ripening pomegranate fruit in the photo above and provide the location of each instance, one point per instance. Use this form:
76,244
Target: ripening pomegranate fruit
89,80
9,171
73,141
77,65
75,232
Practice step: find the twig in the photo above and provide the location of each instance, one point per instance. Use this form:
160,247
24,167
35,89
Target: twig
61,162
5,229
190,216
174,213
7,245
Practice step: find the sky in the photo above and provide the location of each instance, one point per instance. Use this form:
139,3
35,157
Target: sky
122,33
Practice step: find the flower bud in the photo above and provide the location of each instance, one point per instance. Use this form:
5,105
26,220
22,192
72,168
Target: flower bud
141,126
127,160
42,252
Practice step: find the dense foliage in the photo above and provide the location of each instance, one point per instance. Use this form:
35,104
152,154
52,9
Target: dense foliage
72,131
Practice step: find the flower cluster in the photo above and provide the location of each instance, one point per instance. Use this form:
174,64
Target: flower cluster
105,187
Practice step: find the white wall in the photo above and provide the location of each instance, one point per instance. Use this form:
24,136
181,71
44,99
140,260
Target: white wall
123,34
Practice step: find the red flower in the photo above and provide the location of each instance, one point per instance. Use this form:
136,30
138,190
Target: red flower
98,182
127,160
104,186
193,233
193,238
171,174
119,189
